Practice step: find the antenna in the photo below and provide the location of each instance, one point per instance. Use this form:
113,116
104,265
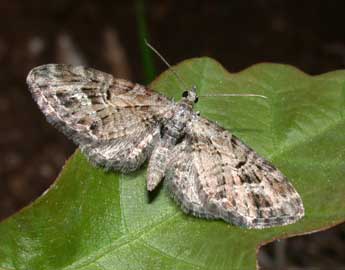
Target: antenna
172,69
234,95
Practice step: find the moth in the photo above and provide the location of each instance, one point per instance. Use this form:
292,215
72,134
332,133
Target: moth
119,125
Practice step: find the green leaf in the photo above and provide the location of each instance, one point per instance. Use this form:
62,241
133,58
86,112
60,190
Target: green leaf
92,219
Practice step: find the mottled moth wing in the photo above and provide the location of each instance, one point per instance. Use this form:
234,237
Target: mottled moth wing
115,122
228,180
182,180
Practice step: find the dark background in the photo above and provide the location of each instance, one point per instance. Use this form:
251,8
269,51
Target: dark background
108,35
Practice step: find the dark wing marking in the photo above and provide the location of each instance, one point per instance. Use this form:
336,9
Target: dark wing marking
115,122
233,182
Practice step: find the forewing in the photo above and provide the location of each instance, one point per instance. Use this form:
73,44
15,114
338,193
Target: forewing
236,184
109,118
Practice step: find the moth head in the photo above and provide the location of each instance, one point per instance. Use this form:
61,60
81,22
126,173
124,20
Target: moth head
190,95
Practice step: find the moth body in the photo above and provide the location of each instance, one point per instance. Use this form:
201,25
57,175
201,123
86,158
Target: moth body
171,134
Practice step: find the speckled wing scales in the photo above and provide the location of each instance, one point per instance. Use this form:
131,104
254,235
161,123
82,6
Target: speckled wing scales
115,122
182,181
228,180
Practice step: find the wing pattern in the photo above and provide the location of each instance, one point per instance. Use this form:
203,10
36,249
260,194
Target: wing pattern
230,181
114,121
